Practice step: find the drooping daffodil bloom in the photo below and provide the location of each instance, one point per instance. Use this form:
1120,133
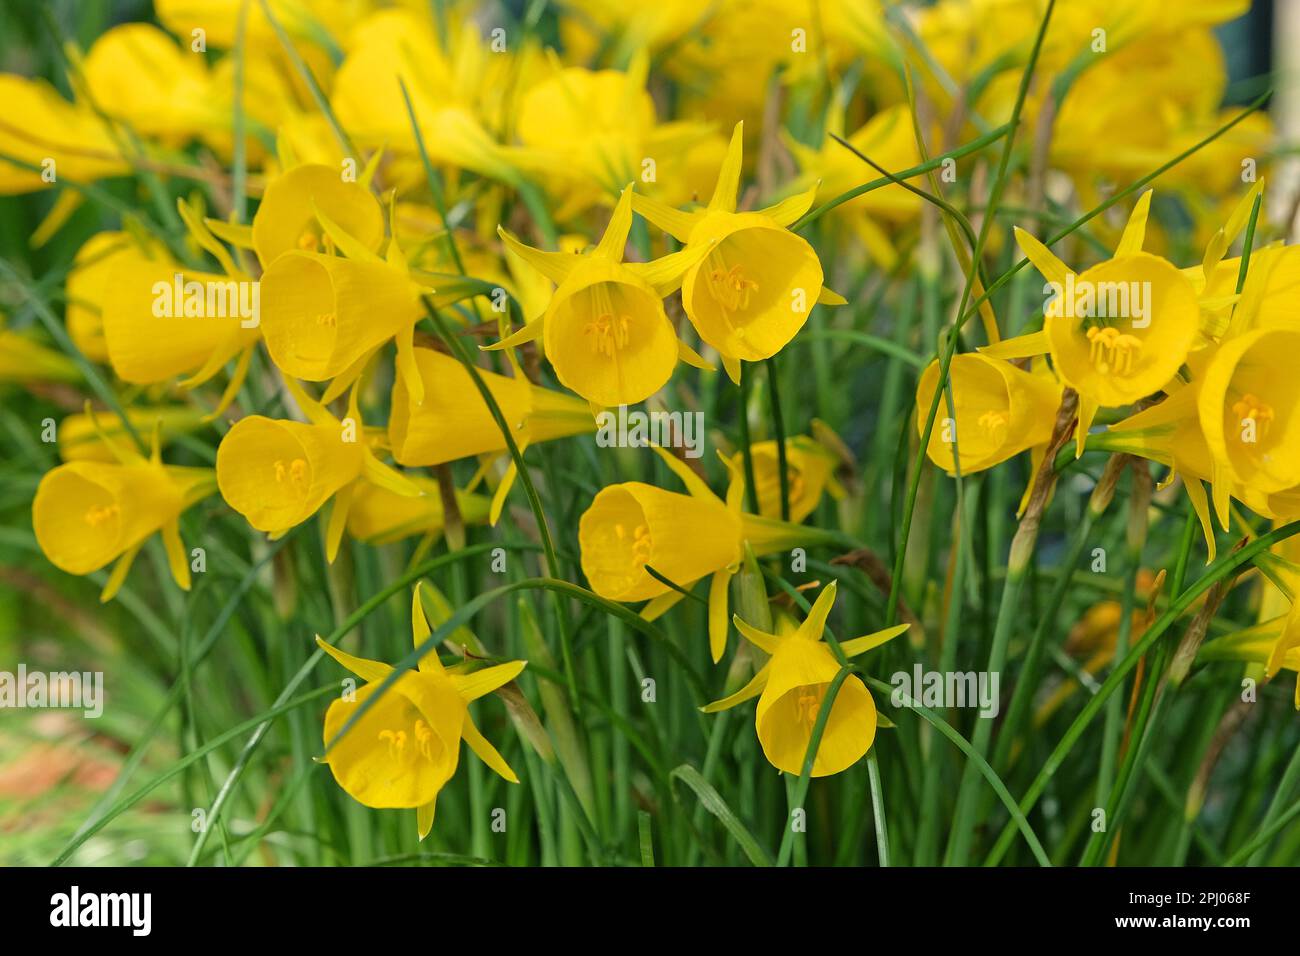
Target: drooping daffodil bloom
1118,331
278,473
753,282
88,513
792,685
605,331
404,748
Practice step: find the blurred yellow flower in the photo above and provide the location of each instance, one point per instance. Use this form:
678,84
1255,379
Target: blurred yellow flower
88,513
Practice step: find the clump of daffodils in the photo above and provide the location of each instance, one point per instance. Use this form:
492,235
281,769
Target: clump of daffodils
342,292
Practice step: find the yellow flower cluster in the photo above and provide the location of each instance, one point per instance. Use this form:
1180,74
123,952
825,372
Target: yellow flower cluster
397,157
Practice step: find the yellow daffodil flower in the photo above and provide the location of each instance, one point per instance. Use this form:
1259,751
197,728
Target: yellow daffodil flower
454,422
793,684
326,315
286,219
405,748
88,513
605,331
64,141
277,474
753,282
632,526
1117,332
87,285
81,436
810,468
24,359
999,410
380,515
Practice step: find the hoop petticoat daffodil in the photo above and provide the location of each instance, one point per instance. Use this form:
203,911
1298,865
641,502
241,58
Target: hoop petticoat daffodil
286,220
1110,360
998,409
88,513
326,315
277,473
810,469
406,746
793,684
632,526
752,283
147,345
379,515
454,422
605,331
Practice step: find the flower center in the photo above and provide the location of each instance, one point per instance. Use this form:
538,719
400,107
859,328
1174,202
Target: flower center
992,421
327,318
808,703
640,543
97,516
295,472
1255,417
312,240
421,740
1112,350
609,333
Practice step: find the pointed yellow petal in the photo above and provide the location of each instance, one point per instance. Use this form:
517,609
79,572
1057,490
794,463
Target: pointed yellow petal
177,559
675,222
750,690
556,266
860,645
658,606
726,191
424,817
791,208
1201,505
485,681
693,482
369,671
614,241
338,521
830,297
815,622
529,333
732,365
1136,229
1087,412
691,357
1022,346
484,750
718,593
1044,260
118,575
762,639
